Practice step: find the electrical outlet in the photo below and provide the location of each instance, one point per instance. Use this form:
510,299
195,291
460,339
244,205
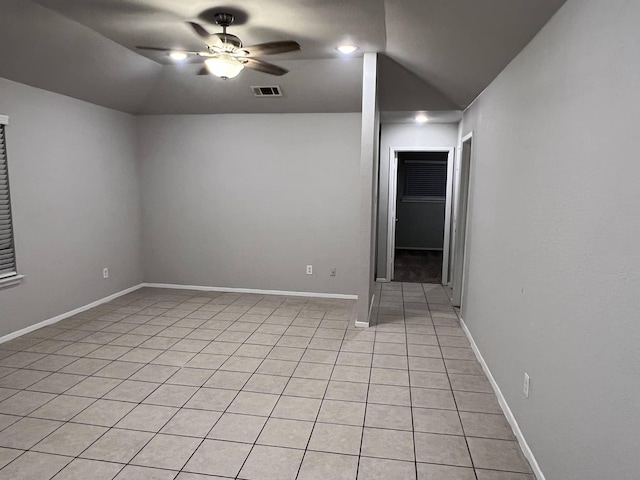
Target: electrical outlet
332,273
105,273
525,386
309,269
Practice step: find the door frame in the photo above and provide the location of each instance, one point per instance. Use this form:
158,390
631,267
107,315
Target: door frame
460,251
391,207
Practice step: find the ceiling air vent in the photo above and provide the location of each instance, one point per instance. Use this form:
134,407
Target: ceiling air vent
273,91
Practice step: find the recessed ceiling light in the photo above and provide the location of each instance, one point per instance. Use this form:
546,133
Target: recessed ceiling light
178,56
347,49
421,118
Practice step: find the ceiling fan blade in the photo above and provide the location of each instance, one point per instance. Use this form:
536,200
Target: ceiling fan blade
264,67
155,49
204,71
271,48
212,40
199,29
169,50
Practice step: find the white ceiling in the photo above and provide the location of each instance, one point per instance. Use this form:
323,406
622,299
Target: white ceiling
459,46
318,25
439,54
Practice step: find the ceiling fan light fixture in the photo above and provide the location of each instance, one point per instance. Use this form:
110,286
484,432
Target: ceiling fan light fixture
347,49
225,55
178,56
224,66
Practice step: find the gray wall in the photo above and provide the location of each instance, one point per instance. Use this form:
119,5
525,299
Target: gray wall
404,136
553,260
75,199
249,200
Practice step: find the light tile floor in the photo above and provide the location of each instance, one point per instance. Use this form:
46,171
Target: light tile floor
164,384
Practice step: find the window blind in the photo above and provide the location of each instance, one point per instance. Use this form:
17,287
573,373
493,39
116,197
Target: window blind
425,179
7,251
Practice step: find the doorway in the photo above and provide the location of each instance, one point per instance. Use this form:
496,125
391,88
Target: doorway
419,215
460,223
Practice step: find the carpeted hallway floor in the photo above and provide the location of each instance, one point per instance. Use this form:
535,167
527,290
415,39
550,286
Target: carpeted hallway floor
422,266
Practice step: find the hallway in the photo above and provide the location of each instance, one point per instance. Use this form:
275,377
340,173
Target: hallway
457,421
175,384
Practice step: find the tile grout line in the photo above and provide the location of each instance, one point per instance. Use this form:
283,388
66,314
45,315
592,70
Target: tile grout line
279,395
366,400
413,429
305,303
108,428
456,404
306,449
68,421
237,394
154,434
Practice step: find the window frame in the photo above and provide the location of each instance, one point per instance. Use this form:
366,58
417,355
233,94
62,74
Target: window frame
10,278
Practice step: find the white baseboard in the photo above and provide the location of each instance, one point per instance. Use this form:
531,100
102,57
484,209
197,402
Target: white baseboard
505,407
56,319
84,308
251,290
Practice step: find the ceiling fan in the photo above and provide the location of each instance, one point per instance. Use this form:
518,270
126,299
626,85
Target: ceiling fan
226,57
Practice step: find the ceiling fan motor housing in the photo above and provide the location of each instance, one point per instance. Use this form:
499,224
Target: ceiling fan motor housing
224,19
230,42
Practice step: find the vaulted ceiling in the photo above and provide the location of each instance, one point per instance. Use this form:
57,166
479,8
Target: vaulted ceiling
437,54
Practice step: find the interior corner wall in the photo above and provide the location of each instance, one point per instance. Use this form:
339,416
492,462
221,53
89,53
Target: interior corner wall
409,136
553,272
247,201
368,188
75,202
